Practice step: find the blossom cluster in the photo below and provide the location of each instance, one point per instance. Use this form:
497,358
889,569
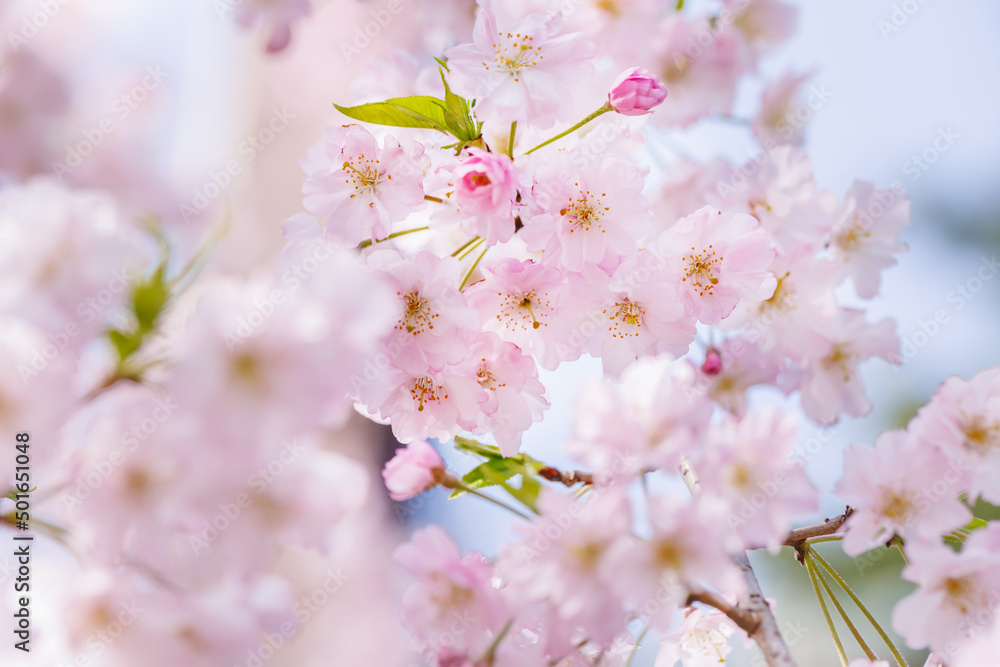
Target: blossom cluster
461,239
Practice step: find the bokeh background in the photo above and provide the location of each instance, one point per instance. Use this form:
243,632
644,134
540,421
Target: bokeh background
916,102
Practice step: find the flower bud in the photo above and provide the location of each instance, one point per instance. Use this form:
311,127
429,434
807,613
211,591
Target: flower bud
636,92
413,470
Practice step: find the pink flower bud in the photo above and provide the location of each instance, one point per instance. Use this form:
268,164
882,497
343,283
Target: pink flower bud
636,92
413,470
713,363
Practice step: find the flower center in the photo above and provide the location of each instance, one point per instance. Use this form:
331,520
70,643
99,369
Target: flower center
852,236
980,437
701,268
781,300
513,53
669,555
486,378
518,308
841,357
426,390
896,505
959,591
626,318
677,70
478,180
417,314
584,212
363,178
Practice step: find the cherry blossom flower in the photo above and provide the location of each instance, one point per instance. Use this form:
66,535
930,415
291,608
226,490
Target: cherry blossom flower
746,475
527,304
436,404
954,591
729,373
831,384
360,188
682,554
482,198
434,325
644,423
412,470
701,80
763,24
585,215
515,397
563,562
702,640
963,420
777,122
522,72
450,589
901,487
718,258
865,232
636,92
640,314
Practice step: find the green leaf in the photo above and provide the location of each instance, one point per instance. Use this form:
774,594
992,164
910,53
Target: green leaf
528,493
478,448
124,343
419,111
959,536
459,117
491,473
149,298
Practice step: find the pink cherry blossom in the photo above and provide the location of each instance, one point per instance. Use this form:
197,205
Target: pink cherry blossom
483,196
963,420
701,80
434,325
636,92
746,475
412,470
864,237
520,72
763,24
831,384
702,640
451,591
360,188
515,397
527,304
683,553
586,215
778,120
901,487
645,423
641,313
954,591
562,562
718,258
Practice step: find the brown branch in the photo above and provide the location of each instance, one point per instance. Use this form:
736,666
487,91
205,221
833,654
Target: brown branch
749,623
797,538
568,478
752,608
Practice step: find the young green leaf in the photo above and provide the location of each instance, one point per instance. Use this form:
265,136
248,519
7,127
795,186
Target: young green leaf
420,111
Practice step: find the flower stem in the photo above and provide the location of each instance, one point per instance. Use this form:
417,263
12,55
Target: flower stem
469,489
864,610
897,542
468,251
843,614
604,109
813,574
635,648
825,538
474,239
510,142
368,242
471,269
